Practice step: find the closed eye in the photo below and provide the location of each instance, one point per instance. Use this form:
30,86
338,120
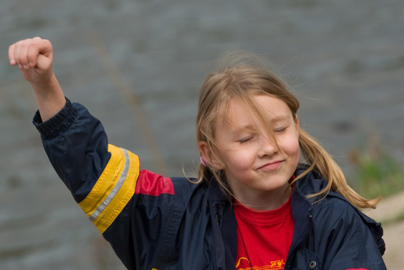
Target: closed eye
280,129
244,140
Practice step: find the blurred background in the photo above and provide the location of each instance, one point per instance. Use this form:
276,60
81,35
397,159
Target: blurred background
138,66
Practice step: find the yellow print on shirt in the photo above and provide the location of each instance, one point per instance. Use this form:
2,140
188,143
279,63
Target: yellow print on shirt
274,265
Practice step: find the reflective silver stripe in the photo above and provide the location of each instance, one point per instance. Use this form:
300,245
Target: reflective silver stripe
115,190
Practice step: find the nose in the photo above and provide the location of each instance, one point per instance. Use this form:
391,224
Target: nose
267,146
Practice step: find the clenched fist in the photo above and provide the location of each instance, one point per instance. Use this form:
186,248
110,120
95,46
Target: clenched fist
34,58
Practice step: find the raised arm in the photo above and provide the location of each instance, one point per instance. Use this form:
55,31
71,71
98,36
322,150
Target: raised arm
34,58
104,180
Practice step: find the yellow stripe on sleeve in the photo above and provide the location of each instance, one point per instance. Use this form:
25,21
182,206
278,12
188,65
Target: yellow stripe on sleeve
114,188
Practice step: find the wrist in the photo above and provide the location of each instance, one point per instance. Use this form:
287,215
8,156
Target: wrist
45,85
49,97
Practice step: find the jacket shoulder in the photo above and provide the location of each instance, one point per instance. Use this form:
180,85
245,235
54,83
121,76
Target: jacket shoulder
332,209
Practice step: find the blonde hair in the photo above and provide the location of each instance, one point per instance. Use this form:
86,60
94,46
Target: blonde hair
240,80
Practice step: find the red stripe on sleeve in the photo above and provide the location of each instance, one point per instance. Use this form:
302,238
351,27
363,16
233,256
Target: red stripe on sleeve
149,183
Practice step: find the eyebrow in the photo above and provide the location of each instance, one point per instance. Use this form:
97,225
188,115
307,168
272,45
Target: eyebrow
279,118
237,129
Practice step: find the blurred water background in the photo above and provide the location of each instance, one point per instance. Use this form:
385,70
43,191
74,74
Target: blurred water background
343,59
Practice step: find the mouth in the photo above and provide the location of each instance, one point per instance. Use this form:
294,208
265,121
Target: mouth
271,166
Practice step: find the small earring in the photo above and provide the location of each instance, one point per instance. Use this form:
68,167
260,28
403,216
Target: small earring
203,161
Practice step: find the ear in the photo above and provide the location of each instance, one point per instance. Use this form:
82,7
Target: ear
207,154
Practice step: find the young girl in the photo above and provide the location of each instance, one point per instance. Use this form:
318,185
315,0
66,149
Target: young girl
253,205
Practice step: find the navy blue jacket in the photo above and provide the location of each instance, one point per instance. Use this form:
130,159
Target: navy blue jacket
154,222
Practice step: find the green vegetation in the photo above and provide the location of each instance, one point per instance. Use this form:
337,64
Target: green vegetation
376,172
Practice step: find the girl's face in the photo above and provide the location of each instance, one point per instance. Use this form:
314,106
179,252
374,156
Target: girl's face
255,167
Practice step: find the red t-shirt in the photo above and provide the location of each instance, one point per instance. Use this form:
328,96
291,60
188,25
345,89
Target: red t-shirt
263,237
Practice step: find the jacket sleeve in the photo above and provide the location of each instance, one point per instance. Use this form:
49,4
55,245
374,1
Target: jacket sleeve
104,181
344,238
101,177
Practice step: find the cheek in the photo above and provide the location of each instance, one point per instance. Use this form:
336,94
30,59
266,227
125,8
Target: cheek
238,160
290,147
296,154
295,148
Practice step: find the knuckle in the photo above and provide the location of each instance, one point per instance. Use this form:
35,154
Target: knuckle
48,43
11,48
22,44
